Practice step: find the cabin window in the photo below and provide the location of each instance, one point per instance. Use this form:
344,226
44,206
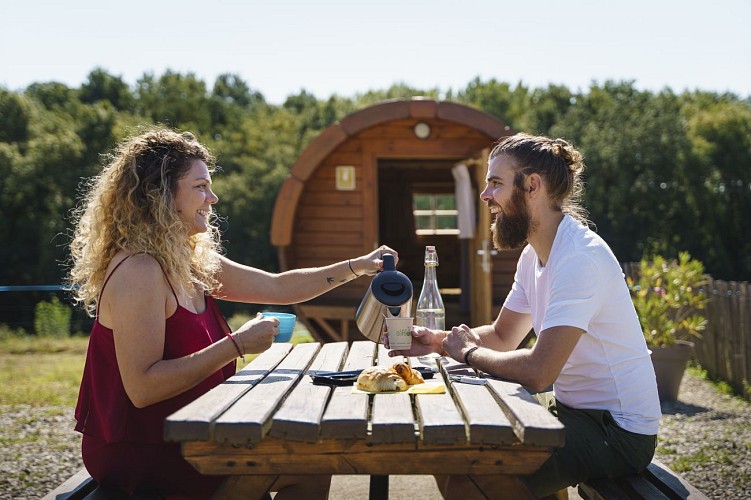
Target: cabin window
435,214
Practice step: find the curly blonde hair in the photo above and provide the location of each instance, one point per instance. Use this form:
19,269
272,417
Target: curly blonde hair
130,206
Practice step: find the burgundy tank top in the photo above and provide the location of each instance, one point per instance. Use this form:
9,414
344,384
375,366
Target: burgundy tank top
104,410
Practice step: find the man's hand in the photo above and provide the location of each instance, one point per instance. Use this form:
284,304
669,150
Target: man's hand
424,341
459,341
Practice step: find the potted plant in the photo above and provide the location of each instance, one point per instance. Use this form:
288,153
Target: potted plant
669,298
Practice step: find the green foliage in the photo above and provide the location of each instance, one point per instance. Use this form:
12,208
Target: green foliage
667,296
10,334
396,91
498,99
719,128
15,113
546,108
634,145
101,86
177,100
52,319
665,172
52,95
235,92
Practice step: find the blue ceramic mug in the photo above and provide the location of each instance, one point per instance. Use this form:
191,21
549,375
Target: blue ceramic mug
286,325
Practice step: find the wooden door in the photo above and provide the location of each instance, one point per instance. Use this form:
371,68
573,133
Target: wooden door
481,262
399,182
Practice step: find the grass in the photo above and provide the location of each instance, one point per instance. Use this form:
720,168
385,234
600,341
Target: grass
41,371
721,386
688,462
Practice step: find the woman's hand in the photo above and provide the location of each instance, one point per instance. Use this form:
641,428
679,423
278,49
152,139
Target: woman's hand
424,341
372,263
459,341
257,334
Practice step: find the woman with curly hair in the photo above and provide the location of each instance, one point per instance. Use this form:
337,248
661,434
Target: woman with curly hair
146,265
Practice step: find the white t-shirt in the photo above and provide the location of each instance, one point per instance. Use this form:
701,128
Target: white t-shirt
582,285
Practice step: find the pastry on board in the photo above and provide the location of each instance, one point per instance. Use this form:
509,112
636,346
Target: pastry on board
395,378
411,376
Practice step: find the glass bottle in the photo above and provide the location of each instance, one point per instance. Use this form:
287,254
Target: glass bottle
430,311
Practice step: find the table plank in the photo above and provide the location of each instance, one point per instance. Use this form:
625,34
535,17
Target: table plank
361,355
276,456
532,423
392,419
439,420
346,416
195,420
487,422
299,417
249,419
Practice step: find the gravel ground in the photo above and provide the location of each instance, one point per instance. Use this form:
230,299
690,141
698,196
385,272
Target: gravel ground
39,450
705,437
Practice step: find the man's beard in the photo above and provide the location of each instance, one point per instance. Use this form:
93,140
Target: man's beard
512,225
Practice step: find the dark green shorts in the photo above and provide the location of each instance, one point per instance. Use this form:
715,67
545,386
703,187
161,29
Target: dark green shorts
596,447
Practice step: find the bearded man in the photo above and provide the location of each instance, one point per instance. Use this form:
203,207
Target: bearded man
570,289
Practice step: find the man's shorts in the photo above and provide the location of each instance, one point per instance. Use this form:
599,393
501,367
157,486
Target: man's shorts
596,447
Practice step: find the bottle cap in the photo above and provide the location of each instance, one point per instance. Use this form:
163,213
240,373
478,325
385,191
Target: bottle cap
431,256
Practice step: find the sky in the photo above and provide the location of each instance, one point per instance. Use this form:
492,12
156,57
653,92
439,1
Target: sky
348,47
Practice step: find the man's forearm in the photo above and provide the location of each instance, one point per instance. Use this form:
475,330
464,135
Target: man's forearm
493,340
516,365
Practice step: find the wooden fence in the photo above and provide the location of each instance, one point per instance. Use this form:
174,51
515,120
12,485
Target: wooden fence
725,347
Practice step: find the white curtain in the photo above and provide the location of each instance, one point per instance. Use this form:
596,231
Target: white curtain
465,202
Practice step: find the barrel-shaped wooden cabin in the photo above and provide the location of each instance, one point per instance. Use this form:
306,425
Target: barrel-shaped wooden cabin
406,173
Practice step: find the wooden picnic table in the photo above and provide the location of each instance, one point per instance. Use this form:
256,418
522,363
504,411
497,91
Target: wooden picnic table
270,419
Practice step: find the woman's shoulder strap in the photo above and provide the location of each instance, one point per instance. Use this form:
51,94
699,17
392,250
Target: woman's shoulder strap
106,280
128,257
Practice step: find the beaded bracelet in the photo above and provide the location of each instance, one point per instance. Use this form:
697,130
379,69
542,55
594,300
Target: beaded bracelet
469,351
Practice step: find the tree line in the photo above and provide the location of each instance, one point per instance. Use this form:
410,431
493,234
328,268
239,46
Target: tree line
666,172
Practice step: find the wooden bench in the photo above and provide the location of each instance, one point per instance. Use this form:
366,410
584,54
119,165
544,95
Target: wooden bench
657,482
78,486
332,322
82,486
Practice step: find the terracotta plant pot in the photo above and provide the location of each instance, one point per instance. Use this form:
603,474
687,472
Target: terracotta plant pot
670,363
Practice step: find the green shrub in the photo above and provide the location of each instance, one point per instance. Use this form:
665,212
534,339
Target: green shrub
52,319
7,332
667,296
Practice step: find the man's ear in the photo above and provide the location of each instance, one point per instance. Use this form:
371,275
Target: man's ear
534,183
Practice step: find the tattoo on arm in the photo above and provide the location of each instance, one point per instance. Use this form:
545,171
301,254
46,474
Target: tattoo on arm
329,280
